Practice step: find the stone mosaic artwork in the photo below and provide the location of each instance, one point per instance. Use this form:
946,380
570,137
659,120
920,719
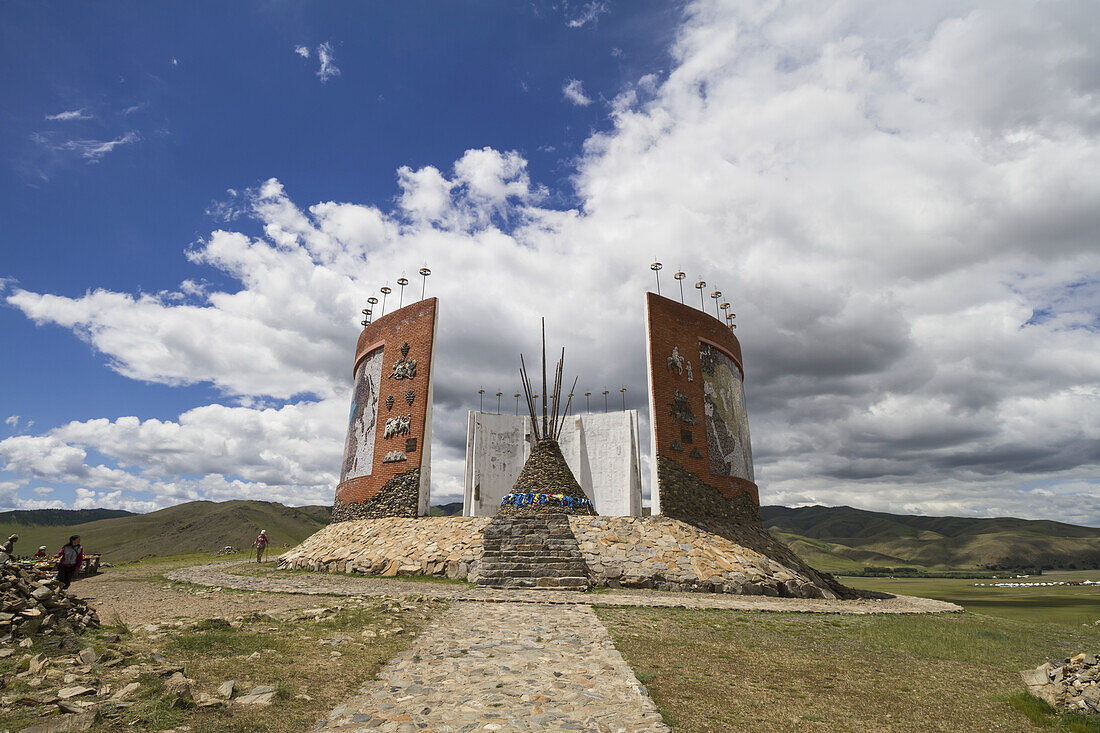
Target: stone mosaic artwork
363,419
727,420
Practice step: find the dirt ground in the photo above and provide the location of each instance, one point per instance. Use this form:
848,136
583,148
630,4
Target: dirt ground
138,595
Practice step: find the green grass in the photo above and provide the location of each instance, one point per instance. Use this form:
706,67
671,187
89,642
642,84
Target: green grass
1073,605
727,670
211,651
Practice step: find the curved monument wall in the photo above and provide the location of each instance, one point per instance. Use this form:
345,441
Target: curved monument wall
700,430
386,471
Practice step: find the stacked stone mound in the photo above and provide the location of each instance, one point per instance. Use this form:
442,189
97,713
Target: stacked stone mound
668,554
34,604
547,473
629,552
532,551
443,546
1070,686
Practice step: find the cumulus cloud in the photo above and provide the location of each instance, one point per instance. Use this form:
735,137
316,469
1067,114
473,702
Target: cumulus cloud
74,114
573,90
302,51
913,266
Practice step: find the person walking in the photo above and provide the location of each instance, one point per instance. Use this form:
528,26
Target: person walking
260,543
9,546
71,557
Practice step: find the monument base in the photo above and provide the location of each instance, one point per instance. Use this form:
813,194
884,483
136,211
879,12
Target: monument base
629,552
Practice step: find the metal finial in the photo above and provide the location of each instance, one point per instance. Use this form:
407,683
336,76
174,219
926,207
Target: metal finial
402,281
605,392
716,295
587,405
622,391
424,272
498,401
656,267
699,286
481,397
516,395
385,290
680,277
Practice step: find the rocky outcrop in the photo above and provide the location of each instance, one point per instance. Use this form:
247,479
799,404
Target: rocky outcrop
35,604
1069,686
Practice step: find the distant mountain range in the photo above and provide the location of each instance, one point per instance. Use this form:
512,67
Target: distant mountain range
837,539
842,538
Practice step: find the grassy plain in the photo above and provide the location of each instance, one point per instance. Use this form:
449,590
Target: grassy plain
1066,604
723,670
728,670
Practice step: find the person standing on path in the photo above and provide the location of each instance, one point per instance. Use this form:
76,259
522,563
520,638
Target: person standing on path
71,557
9,546
260,543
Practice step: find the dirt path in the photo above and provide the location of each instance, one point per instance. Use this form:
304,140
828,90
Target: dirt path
139,595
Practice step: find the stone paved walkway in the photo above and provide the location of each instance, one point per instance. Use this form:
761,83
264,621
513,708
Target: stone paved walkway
504,667
221,575
503,660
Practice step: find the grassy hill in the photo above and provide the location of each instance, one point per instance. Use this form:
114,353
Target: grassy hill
838,539
192,527
843,538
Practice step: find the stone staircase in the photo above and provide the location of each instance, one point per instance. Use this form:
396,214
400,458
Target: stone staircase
532,551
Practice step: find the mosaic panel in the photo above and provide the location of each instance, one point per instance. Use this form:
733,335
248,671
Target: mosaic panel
363,419
727,420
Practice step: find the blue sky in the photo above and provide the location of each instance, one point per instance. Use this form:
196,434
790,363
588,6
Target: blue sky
216,99
198,198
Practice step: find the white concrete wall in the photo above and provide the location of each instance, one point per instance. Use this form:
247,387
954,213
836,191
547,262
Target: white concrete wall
602,450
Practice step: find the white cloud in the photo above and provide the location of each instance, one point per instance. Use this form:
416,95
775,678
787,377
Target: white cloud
175,61
12,421
588,13
913,266
94,150
302,51
573,90
328,67
74,114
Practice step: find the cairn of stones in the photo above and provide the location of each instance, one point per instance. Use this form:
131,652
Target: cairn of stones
32,604
1069,686
529,543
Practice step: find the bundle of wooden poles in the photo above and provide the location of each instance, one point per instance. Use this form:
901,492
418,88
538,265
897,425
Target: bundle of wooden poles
552,421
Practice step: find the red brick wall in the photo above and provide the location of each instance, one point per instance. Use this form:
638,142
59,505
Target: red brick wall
673,324
414,324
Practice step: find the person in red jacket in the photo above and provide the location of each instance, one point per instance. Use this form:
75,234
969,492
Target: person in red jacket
70,558
260,543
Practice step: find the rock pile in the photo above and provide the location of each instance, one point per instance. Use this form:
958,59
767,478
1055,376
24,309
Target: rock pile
34,604
1069,686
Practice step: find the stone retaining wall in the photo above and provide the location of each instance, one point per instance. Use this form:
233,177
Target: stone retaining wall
449,546
641,552
668,554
